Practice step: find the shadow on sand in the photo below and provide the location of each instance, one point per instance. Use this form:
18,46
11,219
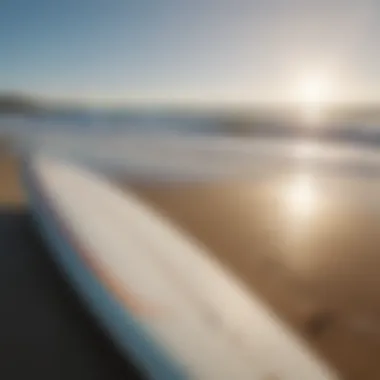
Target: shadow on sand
45,332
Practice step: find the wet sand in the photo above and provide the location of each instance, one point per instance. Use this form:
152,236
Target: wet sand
310,247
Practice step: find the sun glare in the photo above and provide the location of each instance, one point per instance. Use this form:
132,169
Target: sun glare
300,195
313,94
313,90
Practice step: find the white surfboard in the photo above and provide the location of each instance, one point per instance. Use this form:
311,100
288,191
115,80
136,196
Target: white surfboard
163,298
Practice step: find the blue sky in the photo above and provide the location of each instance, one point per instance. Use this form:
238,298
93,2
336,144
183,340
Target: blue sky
189,50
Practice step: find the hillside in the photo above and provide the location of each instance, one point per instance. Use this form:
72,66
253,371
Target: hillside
18,104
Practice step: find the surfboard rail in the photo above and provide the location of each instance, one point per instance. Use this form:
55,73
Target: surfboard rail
161,296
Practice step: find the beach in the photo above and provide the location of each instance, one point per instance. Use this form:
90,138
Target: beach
308,247
11,192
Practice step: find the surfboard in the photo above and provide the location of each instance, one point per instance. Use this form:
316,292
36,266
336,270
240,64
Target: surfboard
162,298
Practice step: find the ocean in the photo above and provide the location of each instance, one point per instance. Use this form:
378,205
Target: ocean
187,146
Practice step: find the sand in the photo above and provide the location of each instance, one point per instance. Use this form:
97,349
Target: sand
11,192
309,247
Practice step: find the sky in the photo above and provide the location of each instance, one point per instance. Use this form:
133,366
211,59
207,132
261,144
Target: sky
207,51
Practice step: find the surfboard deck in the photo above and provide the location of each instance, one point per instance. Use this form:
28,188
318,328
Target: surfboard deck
163,298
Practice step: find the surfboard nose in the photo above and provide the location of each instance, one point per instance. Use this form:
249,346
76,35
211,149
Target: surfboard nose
126,259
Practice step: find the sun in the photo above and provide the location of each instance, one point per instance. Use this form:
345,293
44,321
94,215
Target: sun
314,90
313,93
